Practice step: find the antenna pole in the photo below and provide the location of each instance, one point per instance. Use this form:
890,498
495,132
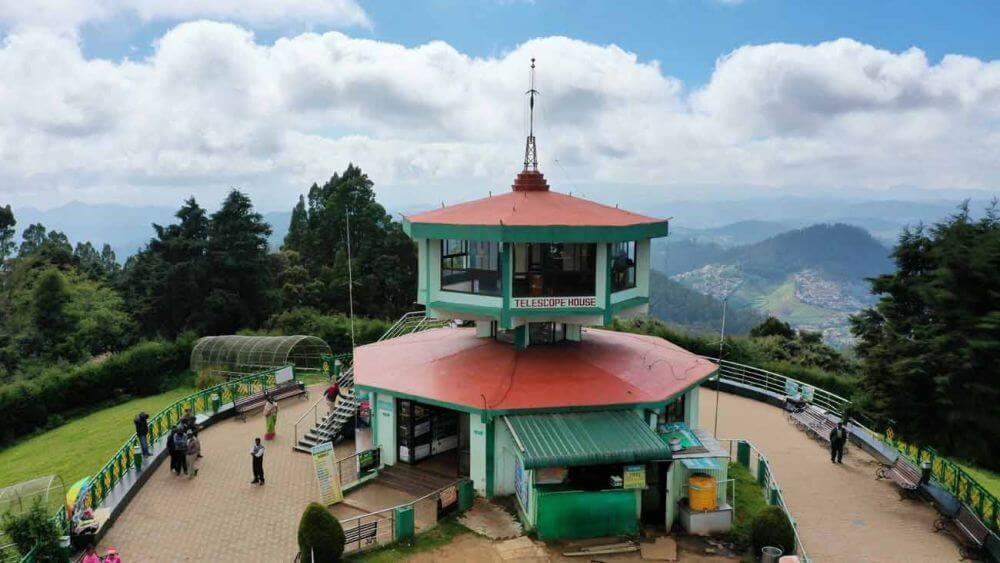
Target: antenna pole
350,279
530,152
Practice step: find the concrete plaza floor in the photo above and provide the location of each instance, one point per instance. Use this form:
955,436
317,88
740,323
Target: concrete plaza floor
842,512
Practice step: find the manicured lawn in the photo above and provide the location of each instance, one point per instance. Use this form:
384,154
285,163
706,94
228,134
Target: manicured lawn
80,447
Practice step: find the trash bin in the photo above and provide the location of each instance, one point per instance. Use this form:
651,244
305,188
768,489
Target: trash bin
137,457
216,402
769,554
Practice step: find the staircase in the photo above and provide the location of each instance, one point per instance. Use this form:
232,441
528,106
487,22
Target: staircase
330,427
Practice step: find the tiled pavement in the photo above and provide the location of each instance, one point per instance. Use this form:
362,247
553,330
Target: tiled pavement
219,515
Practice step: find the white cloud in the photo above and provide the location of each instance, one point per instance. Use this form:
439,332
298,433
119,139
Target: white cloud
211,108
68,15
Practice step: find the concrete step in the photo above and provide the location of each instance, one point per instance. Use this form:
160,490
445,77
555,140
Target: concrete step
411,479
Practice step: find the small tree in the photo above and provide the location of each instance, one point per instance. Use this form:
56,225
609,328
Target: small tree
321,539
772,528
772,326
32,528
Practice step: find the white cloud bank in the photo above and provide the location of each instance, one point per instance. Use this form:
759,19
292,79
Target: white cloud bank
210,108
69,15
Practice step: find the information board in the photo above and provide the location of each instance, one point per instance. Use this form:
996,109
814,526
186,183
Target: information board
326,473
634,477
284,374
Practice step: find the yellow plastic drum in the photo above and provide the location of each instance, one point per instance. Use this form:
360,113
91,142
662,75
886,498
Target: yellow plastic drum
701,492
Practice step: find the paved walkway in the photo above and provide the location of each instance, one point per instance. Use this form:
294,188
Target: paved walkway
219,515
843,513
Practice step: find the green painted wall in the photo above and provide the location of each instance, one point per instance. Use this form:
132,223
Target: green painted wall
586,514
422,278
691,407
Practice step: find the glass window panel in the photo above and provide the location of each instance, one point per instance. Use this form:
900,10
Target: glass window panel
555,270
470,266
623,265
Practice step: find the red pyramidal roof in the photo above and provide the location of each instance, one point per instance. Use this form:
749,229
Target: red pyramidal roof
454,367
531,203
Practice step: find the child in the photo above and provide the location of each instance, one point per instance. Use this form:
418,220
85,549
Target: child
112,556
90,556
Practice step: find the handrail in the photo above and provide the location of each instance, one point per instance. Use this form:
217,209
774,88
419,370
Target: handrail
765,477
949,475
161,423
314,409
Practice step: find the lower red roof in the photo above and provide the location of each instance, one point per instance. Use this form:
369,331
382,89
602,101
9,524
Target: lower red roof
452,365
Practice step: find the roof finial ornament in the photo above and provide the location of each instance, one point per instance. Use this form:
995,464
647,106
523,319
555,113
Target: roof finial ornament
530,153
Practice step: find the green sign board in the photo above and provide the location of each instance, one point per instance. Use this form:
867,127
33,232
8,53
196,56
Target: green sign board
634,477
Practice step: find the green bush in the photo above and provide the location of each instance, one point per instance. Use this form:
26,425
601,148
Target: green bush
208,379
321,539
144,369
31,528
772,528
334,329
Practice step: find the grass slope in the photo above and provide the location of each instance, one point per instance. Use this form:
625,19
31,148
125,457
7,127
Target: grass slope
81,447
782,303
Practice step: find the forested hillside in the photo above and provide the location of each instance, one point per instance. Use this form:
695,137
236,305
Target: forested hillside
676,304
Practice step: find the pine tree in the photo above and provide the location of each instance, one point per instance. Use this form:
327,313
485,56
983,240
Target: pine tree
7,224
298,227
931,346
52,323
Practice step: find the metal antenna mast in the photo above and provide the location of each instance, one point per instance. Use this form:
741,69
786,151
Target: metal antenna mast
530,153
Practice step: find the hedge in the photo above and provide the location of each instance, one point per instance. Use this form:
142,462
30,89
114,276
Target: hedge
144,369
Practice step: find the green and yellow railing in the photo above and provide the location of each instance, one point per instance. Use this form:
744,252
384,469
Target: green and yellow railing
205,401
952,478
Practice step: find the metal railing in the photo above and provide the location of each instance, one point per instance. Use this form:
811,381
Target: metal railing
414,321
952,478
162,422
378,528
754,461
949,475
311,414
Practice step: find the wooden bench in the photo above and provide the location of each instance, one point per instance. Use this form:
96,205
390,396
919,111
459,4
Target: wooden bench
255,401
814,421
970,531
904,474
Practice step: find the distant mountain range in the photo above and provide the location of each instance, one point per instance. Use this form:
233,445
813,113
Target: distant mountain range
812,277
127,229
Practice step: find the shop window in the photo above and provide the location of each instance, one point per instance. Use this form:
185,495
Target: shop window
622,265
470,266
675,410
554,270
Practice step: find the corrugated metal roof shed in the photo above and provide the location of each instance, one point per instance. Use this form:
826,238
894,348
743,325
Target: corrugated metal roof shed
585,438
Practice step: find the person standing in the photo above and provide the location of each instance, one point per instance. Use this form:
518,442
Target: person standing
142,432
193,452
331,394
180,449
112,556
172,451
90,555
838,437
257,462
270,416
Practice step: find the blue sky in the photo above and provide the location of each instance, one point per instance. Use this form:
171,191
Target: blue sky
685,36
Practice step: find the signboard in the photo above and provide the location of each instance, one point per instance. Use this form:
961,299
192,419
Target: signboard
521,486
284,374
553,302
634,477
369,460
449,496
326,473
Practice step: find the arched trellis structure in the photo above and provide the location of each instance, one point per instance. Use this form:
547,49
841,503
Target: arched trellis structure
49,491
237,355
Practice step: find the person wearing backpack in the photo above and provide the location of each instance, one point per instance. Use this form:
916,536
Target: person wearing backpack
180,450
